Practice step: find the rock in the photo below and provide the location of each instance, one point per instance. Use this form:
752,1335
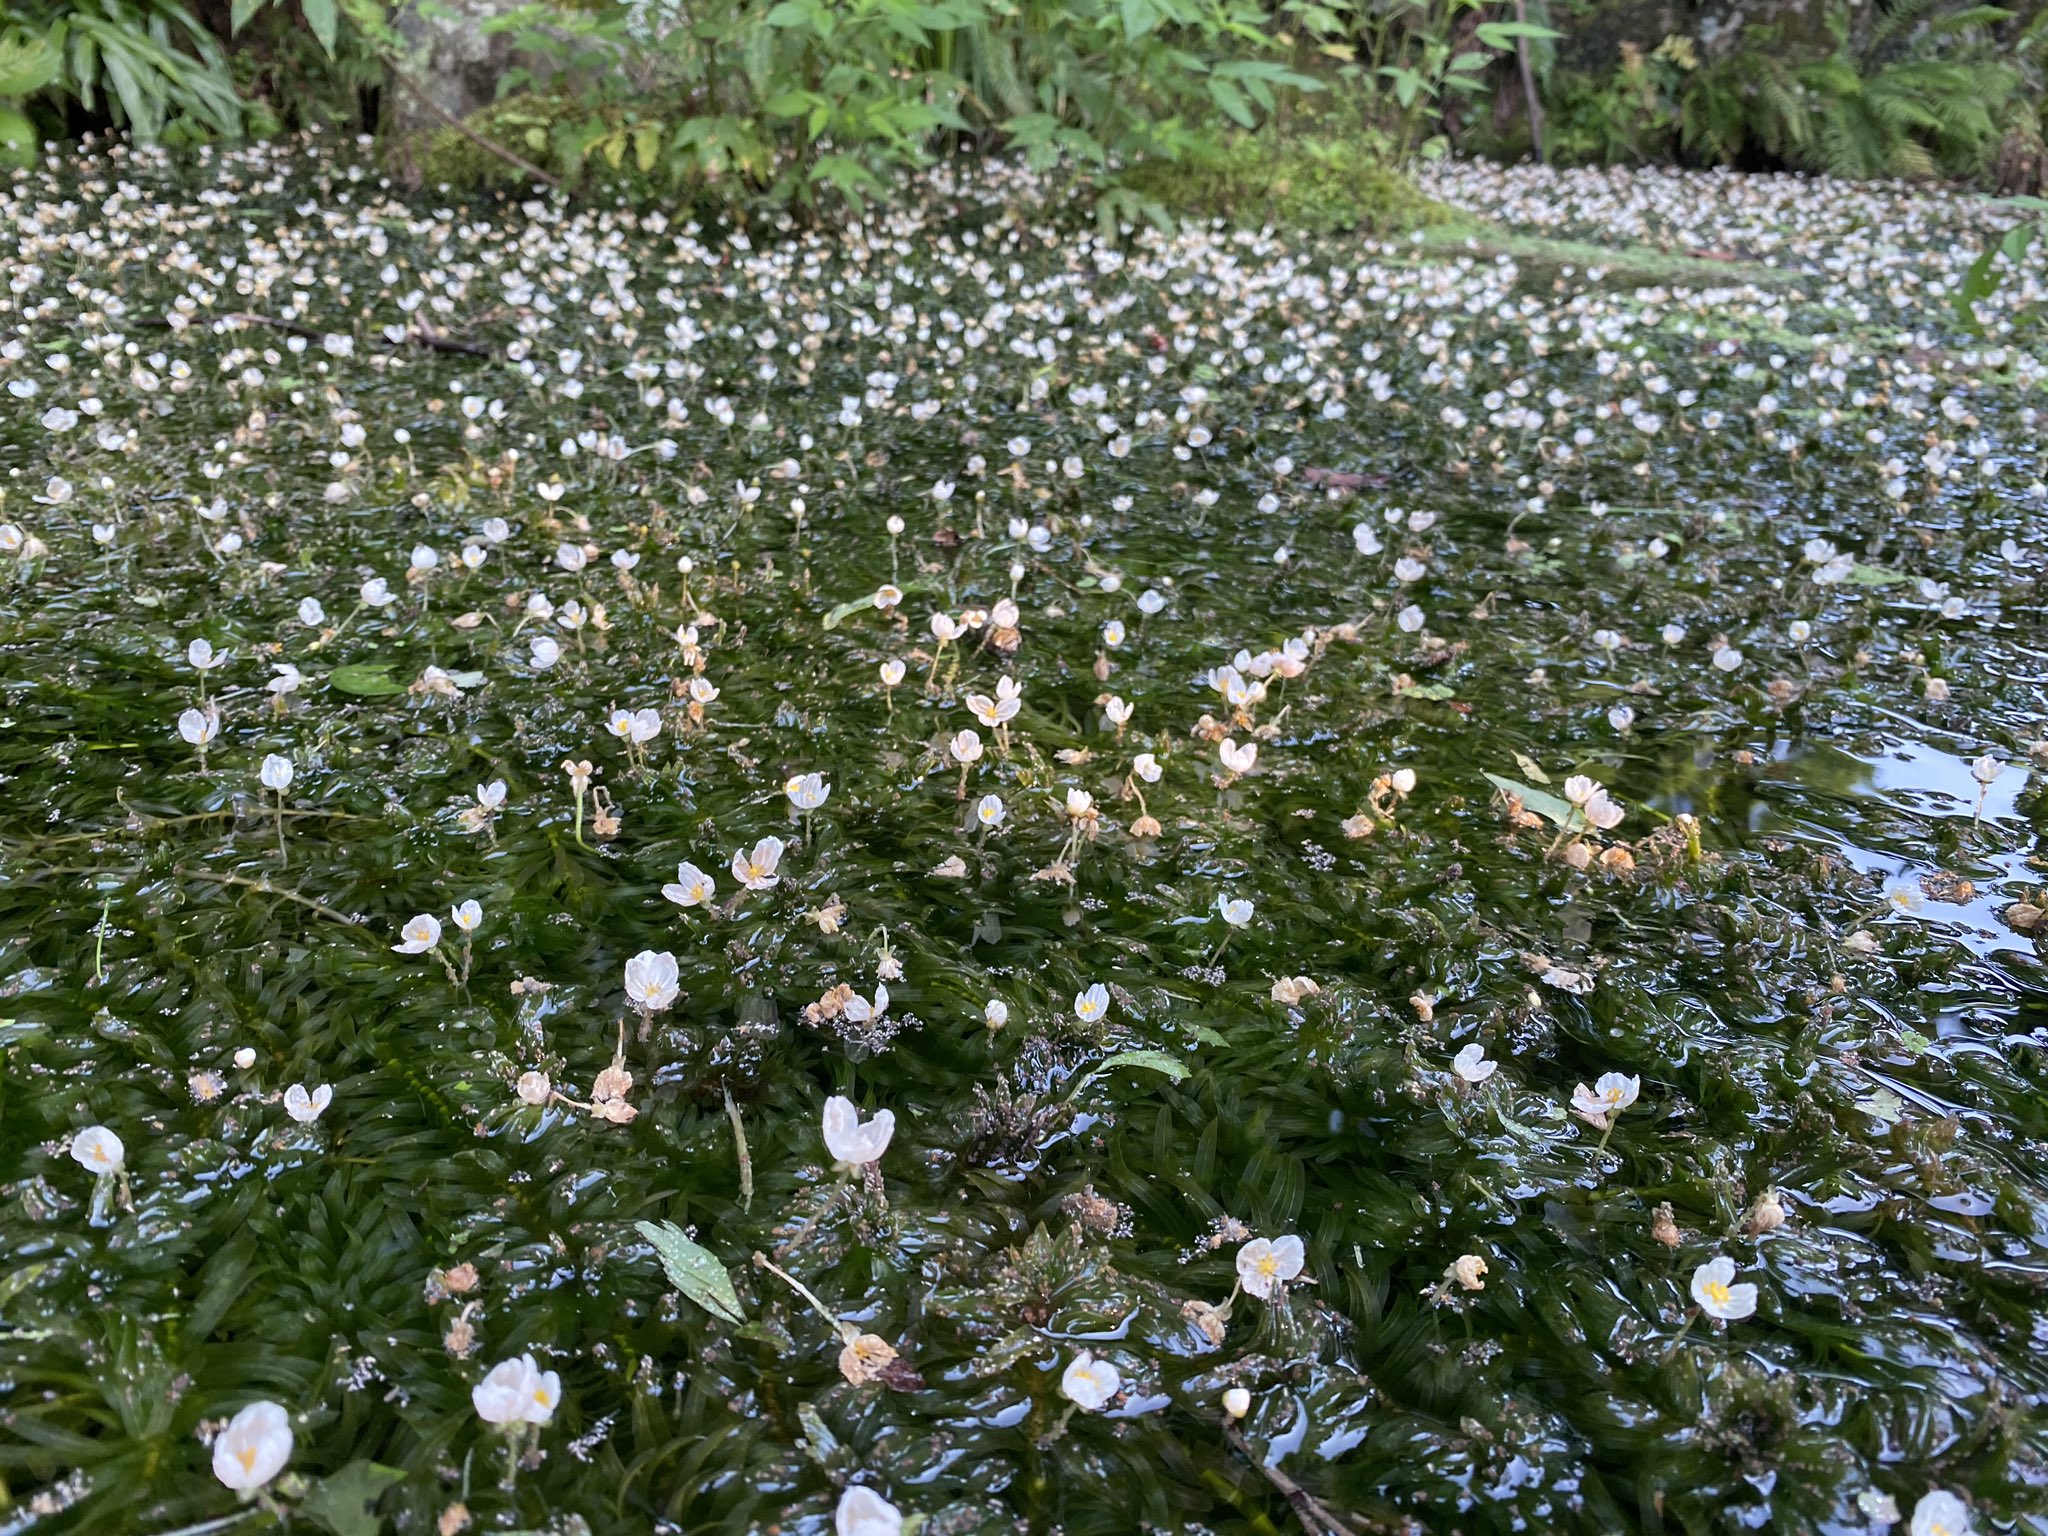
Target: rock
454,62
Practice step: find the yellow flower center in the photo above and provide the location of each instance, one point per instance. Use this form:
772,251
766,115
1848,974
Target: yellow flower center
1268,1265
1717,1293
247,1457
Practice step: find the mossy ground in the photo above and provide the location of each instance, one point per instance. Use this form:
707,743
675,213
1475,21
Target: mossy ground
1316,172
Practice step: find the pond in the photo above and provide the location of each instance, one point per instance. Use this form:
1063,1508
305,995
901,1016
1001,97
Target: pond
1371,834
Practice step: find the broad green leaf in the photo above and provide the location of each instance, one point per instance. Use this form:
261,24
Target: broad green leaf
693,1270
346,1501
1530,768
320,16
1862,575
1151,1060
1551,808
365,679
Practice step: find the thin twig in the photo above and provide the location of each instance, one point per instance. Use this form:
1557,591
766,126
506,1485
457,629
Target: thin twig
1314,1517
266,888
148,824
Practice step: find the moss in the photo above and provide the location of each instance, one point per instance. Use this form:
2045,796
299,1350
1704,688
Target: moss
526,125
1313,173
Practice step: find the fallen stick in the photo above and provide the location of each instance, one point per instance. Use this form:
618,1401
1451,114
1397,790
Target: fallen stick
1315,1518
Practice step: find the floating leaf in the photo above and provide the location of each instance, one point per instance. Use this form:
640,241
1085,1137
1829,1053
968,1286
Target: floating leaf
346,1501
1151,1060
365,679
846,611
693,1270
1554,810
1861,575
1530,769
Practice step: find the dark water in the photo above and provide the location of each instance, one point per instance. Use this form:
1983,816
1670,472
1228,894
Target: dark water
1888,1088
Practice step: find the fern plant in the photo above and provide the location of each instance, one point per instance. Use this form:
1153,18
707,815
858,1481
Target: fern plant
1920,93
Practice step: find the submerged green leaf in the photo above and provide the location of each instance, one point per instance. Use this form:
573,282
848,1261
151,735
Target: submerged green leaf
693,1270
365,679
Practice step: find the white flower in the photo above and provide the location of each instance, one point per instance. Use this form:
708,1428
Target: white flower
1712,1289
307,1107
198,726
1985,769
965,748
852,1140
1089,1383
570,557
1471,1064
420,935
1092,1004
277,772
254,1447
98,1150
692,887
517,1392
1602,812
859,1010
1237,1402
892,672
1609,1096
1238,759
546,652
534,1088
756,870
286,681
1146,767
469,916
1940,1513
996,1014
989,810
377,593
864,1512
651,980
1080,804
1264,1267
203,656
490,796
1117,710
1235,911
807,791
